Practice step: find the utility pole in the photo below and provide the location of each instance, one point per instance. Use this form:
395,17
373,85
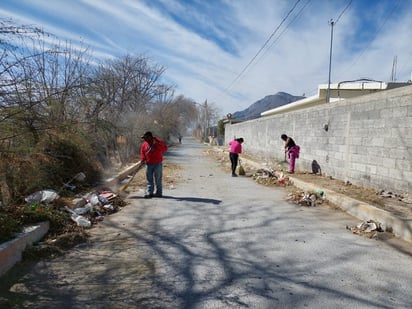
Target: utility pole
393,75
331,23
206,122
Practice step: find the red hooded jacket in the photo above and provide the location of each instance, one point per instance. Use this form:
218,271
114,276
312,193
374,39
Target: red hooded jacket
152,152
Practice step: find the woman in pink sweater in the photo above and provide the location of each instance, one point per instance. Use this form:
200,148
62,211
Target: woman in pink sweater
234,151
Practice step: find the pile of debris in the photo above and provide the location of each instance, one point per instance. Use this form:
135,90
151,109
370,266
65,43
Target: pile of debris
404,197
270,177
309,199
369,228
92,207
84,210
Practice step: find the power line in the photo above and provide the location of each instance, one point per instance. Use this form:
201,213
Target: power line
263,46
286,28
374,37
343,12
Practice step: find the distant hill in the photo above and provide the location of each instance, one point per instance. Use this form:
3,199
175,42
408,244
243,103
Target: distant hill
267,103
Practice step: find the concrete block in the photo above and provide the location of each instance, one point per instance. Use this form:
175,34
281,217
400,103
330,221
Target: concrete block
11,251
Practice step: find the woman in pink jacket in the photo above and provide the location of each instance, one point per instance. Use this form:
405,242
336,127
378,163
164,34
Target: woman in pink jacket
234,151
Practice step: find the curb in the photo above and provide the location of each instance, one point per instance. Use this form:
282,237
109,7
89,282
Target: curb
401,228
11,251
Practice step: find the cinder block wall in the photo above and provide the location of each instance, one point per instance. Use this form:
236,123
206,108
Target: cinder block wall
368,141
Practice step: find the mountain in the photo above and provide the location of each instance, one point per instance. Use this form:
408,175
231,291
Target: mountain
267,103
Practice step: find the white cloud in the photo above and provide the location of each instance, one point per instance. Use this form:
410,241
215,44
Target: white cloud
206,45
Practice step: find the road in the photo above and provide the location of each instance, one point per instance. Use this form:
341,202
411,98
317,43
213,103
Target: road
215,241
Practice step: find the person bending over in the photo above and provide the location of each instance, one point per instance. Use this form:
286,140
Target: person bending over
234,151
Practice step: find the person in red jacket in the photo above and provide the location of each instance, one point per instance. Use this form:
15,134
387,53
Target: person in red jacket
151,152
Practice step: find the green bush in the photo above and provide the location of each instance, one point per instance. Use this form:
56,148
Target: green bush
9,227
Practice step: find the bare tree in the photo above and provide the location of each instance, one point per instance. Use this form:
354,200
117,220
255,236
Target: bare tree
39,86
207,118
123,93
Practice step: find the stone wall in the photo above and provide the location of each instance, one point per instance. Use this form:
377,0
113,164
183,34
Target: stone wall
368,140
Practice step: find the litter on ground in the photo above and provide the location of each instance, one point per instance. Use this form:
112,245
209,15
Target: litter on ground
369,228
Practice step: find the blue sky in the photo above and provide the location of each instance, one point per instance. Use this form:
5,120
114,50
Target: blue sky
235,52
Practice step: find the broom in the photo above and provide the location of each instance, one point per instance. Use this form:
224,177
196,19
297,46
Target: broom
241,169
138,168
284,160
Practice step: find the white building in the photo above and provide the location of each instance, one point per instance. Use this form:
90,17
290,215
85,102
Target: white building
337,92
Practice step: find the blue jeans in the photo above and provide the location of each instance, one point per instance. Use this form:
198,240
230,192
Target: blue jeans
154,173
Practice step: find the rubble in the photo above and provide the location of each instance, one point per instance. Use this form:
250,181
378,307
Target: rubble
404,197
269,177
93,206
369,228
310,199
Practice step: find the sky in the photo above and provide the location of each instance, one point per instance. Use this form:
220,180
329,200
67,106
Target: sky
233,53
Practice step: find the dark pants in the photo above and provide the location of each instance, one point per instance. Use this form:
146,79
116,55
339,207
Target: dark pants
234,158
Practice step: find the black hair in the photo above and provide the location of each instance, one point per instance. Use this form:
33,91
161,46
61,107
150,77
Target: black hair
240,139
284,137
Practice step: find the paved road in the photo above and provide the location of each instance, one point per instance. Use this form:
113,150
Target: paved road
220,242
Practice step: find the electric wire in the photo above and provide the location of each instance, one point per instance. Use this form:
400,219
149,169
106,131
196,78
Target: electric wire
343,12
263,46
373,37
284,30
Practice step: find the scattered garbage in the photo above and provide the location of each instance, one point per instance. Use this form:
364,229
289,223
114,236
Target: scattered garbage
269,177
80,177
81,221
83,210
108,207
92,207
404,197
43,196
70,187
93,199
309,199
369,228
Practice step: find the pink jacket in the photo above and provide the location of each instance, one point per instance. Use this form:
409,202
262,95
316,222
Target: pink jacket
294,151
235,147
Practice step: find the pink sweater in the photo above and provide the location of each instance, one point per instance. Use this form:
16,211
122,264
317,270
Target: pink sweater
235,146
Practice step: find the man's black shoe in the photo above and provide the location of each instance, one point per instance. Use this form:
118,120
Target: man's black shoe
158,194
148,195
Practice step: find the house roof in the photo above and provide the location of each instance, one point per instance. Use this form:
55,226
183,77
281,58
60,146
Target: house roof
338,91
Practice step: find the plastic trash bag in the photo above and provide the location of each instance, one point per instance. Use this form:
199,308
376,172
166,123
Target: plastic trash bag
43,196
81,221
94,200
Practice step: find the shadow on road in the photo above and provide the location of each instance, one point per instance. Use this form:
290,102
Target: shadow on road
185,199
